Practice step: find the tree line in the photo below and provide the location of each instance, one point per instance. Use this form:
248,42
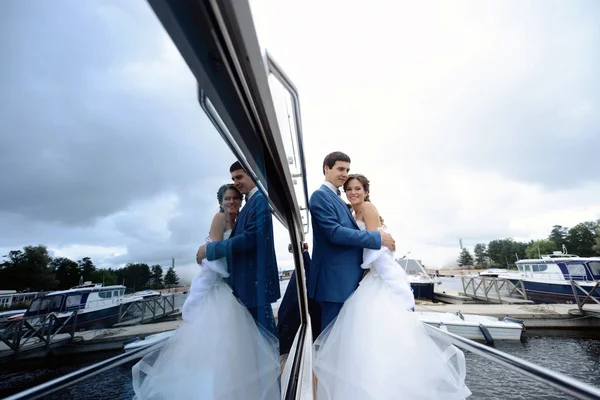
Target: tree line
33,269
582,239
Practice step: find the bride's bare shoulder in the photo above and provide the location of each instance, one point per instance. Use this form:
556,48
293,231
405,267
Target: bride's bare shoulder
217,227
369,208
371,216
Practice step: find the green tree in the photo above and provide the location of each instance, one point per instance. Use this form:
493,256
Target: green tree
558,235
596,246
171,278
481,257
156,277
503,251
87,268
67,272
105,276
465,259
28,269
135,275
540,247
581,238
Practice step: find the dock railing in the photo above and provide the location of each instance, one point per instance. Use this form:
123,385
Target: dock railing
493,290
577,289
147,310
19,333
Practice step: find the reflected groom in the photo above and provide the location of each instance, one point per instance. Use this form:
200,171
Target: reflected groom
250,252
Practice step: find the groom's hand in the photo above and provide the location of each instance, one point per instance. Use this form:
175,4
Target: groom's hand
388,241
201,254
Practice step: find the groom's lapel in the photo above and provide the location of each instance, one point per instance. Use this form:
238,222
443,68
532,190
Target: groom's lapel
343,204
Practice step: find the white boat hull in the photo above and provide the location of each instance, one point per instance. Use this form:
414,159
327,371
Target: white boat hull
470,327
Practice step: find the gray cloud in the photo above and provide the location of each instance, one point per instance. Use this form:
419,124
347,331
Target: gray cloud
103,141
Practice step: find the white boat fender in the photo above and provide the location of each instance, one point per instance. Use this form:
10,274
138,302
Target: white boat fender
486,334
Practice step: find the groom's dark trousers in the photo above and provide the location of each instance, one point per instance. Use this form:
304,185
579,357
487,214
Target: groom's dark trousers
338,245
288,316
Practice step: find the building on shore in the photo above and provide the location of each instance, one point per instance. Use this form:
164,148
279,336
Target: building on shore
10,297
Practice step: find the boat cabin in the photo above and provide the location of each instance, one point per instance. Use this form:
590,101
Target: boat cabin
87,296
560,266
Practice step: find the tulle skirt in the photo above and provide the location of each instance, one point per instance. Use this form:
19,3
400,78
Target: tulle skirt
376,349
221,354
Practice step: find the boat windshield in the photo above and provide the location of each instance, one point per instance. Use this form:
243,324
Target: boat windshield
35,305
594,268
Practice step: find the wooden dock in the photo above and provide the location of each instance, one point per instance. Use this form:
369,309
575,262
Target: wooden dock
591,310
38,336
452,296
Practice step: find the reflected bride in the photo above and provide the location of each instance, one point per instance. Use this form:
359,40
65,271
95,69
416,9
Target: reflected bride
219,352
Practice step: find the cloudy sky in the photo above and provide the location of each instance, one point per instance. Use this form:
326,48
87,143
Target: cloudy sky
473,120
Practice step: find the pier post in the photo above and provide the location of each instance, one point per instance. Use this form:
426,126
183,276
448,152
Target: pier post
523,289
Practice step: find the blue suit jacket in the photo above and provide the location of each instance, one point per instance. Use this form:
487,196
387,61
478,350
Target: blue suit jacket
250,253
337,248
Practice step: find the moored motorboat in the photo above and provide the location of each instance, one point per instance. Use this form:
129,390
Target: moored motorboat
420,281
548,279
474,327
97,306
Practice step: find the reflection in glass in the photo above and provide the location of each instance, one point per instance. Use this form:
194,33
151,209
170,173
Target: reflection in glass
115,168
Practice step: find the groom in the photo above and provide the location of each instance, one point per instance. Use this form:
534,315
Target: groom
250,252
338,242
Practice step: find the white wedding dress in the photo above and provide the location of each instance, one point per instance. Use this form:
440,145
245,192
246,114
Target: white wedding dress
378,349
218,353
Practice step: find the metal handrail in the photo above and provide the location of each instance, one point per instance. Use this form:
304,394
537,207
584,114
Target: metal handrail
561,382
46,388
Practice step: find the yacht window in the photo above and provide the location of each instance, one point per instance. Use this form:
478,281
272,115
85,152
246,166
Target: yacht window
45,304
540,267
576,270
56,302
73,301
527,267
595,267
115,293
35,305
105,295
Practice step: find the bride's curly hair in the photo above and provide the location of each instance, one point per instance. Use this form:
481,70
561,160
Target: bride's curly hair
366,184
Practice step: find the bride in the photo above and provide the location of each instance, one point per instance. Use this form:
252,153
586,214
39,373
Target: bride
377,348
219,352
